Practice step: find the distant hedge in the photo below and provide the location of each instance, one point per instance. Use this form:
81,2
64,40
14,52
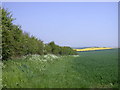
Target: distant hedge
16,43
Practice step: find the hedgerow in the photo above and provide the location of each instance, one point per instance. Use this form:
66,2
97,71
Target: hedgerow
16,43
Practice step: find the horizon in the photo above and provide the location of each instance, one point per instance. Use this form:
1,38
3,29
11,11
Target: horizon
69,24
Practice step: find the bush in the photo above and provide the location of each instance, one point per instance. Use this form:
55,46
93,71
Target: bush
15,43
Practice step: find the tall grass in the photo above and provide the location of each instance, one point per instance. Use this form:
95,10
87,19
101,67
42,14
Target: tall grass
95,69
1,64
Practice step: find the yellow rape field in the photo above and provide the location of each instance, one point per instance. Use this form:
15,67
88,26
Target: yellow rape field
90,49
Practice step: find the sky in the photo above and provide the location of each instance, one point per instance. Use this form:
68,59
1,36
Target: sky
74,24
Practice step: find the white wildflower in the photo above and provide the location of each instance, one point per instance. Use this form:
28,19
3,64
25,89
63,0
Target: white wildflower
75,55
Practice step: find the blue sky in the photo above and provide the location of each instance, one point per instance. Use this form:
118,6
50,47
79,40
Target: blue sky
75,24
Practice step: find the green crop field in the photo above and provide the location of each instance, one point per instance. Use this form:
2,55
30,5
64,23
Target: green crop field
94,69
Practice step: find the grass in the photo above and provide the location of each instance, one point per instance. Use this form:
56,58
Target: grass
1,75
94,69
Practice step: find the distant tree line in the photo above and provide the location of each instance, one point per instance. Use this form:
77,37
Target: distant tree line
16,43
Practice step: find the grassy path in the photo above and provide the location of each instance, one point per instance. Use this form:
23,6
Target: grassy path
62,74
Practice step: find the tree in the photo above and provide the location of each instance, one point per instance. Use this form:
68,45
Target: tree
15,43
7,38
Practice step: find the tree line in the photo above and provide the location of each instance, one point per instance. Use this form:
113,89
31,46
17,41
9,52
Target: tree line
16,43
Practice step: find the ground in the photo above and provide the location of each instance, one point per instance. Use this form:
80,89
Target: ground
93,69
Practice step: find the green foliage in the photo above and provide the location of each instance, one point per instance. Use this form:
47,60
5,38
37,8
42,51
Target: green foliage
47,49
16,43
95,69
67,51
57,50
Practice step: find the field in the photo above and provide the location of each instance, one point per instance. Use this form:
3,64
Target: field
92,48
93,69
